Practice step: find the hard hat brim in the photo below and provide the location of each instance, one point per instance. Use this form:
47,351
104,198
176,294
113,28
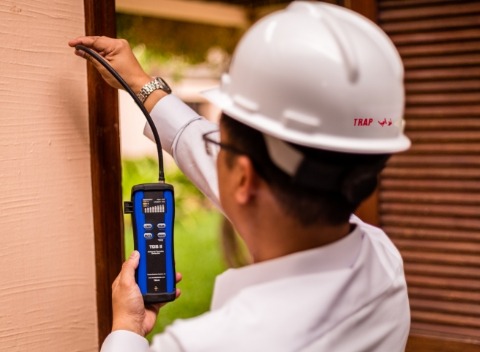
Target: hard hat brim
318,141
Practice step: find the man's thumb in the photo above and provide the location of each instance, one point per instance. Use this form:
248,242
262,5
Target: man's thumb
132,262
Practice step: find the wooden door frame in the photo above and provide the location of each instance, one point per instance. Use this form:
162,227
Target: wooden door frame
105,168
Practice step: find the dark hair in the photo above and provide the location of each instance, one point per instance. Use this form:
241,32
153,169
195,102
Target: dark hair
331,188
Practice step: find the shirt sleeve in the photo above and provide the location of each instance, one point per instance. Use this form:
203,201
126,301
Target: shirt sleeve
125,341
180,129
165,342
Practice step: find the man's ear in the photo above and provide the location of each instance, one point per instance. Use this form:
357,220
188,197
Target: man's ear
246,180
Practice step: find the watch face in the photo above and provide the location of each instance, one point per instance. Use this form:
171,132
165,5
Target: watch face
163,85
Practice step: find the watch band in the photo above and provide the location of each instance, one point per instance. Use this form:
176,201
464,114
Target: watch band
147,89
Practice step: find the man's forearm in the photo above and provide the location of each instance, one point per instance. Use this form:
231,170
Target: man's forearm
181,129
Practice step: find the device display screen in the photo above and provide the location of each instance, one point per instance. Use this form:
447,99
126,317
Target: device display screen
154,206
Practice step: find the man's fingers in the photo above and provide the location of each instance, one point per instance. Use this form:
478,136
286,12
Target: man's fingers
154,307
88,41
102,45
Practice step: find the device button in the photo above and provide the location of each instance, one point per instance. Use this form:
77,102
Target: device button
148,236
147,226
161,234
161,225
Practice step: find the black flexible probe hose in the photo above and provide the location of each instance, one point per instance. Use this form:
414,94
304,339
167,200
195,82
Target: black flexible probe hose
104,63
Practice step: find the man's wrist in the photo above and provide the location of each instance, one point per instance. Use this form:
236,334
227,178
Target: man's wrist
153,99
128,326
158,83
138,83
150,91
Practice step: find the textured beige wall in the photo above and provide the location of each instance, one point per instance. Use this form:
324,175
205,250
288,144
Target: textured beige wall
47,270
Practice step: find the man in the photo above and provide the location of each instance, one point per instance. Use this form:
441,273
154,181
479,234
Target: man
312,108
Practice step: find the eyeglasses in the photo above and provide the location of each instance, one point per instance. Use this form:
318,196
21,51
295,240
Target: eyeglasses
213,144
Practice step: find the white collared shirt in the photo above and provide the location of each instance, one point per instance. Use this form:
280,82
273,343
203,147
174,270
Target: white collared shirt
347,296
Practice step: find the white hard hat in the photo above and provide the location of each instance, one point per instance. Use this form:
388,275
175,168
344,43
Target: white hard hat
317,75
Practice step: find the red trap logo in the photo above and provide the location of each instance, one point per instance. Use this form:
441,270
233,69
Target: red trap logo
365,122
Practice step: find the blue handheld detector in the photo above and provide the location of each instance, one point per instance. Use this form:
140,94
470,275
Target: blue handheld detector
153,212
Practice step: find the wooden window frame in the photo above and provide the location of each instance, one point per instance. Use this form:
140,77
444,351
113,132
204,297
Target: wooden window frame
105,168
